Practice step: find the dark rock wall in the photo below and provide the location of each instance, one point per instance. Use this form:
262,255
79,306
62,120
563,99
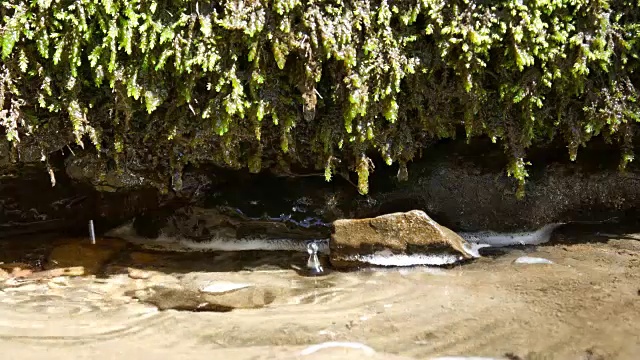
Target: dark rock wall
460,185
464,188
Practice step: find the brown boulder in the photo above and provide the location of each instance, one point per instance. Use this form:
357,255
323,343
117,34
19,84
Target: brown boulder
413,238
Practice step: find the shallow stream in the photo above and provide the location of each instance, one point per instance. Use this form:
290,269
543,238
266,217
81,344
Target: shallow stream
582,303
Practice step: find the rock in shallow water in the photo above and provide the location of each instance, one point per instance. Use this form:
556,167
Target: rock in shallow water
208,298
397,239
220,287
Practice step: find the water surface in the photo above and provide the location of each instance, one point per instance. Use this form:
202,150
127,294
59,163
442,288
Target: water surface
587,301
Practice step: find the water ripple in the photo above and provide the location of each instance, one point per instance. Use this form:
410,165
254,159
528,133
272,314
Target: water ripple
70,315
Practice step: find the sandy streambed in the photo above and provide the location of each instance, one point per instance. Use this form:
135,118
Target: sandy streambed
585,305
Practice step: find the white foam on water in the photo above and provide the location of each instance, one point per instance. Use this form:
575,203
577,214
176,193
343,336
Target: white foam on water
426,269
496,239
172,243
222,244
532,260
343,344
122,231
473,249
387,258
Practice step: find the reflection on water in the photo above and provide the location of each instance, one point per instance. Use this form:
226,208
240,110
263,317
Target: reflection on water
100,306
78,310
489,307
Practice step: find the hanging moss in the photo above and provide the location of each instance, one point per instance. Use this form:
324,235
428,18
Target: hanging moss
334,79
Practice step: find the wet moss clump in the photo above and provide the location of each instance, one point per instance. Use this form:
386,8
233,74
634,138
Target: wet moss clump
324,84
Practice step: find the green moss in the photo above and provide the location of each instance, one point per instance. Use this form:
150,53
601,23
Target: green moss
334,80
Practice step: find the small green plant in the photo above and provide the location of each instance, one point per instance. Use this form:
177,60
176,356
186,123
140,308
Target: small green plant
320,83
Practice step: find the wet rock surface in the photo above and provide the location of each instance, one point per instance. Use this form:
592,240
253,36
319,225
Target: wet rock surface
464,187
30,204
392,234
461,186
201,224
92,170
188,296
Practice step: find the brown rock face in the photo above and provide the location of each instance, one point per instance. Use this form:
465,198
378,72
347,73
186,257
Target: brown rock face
413,232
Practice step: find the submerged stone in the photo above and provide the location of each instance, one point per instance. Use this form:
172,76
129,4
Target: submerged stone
80,252
397,239
187,299
220,287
